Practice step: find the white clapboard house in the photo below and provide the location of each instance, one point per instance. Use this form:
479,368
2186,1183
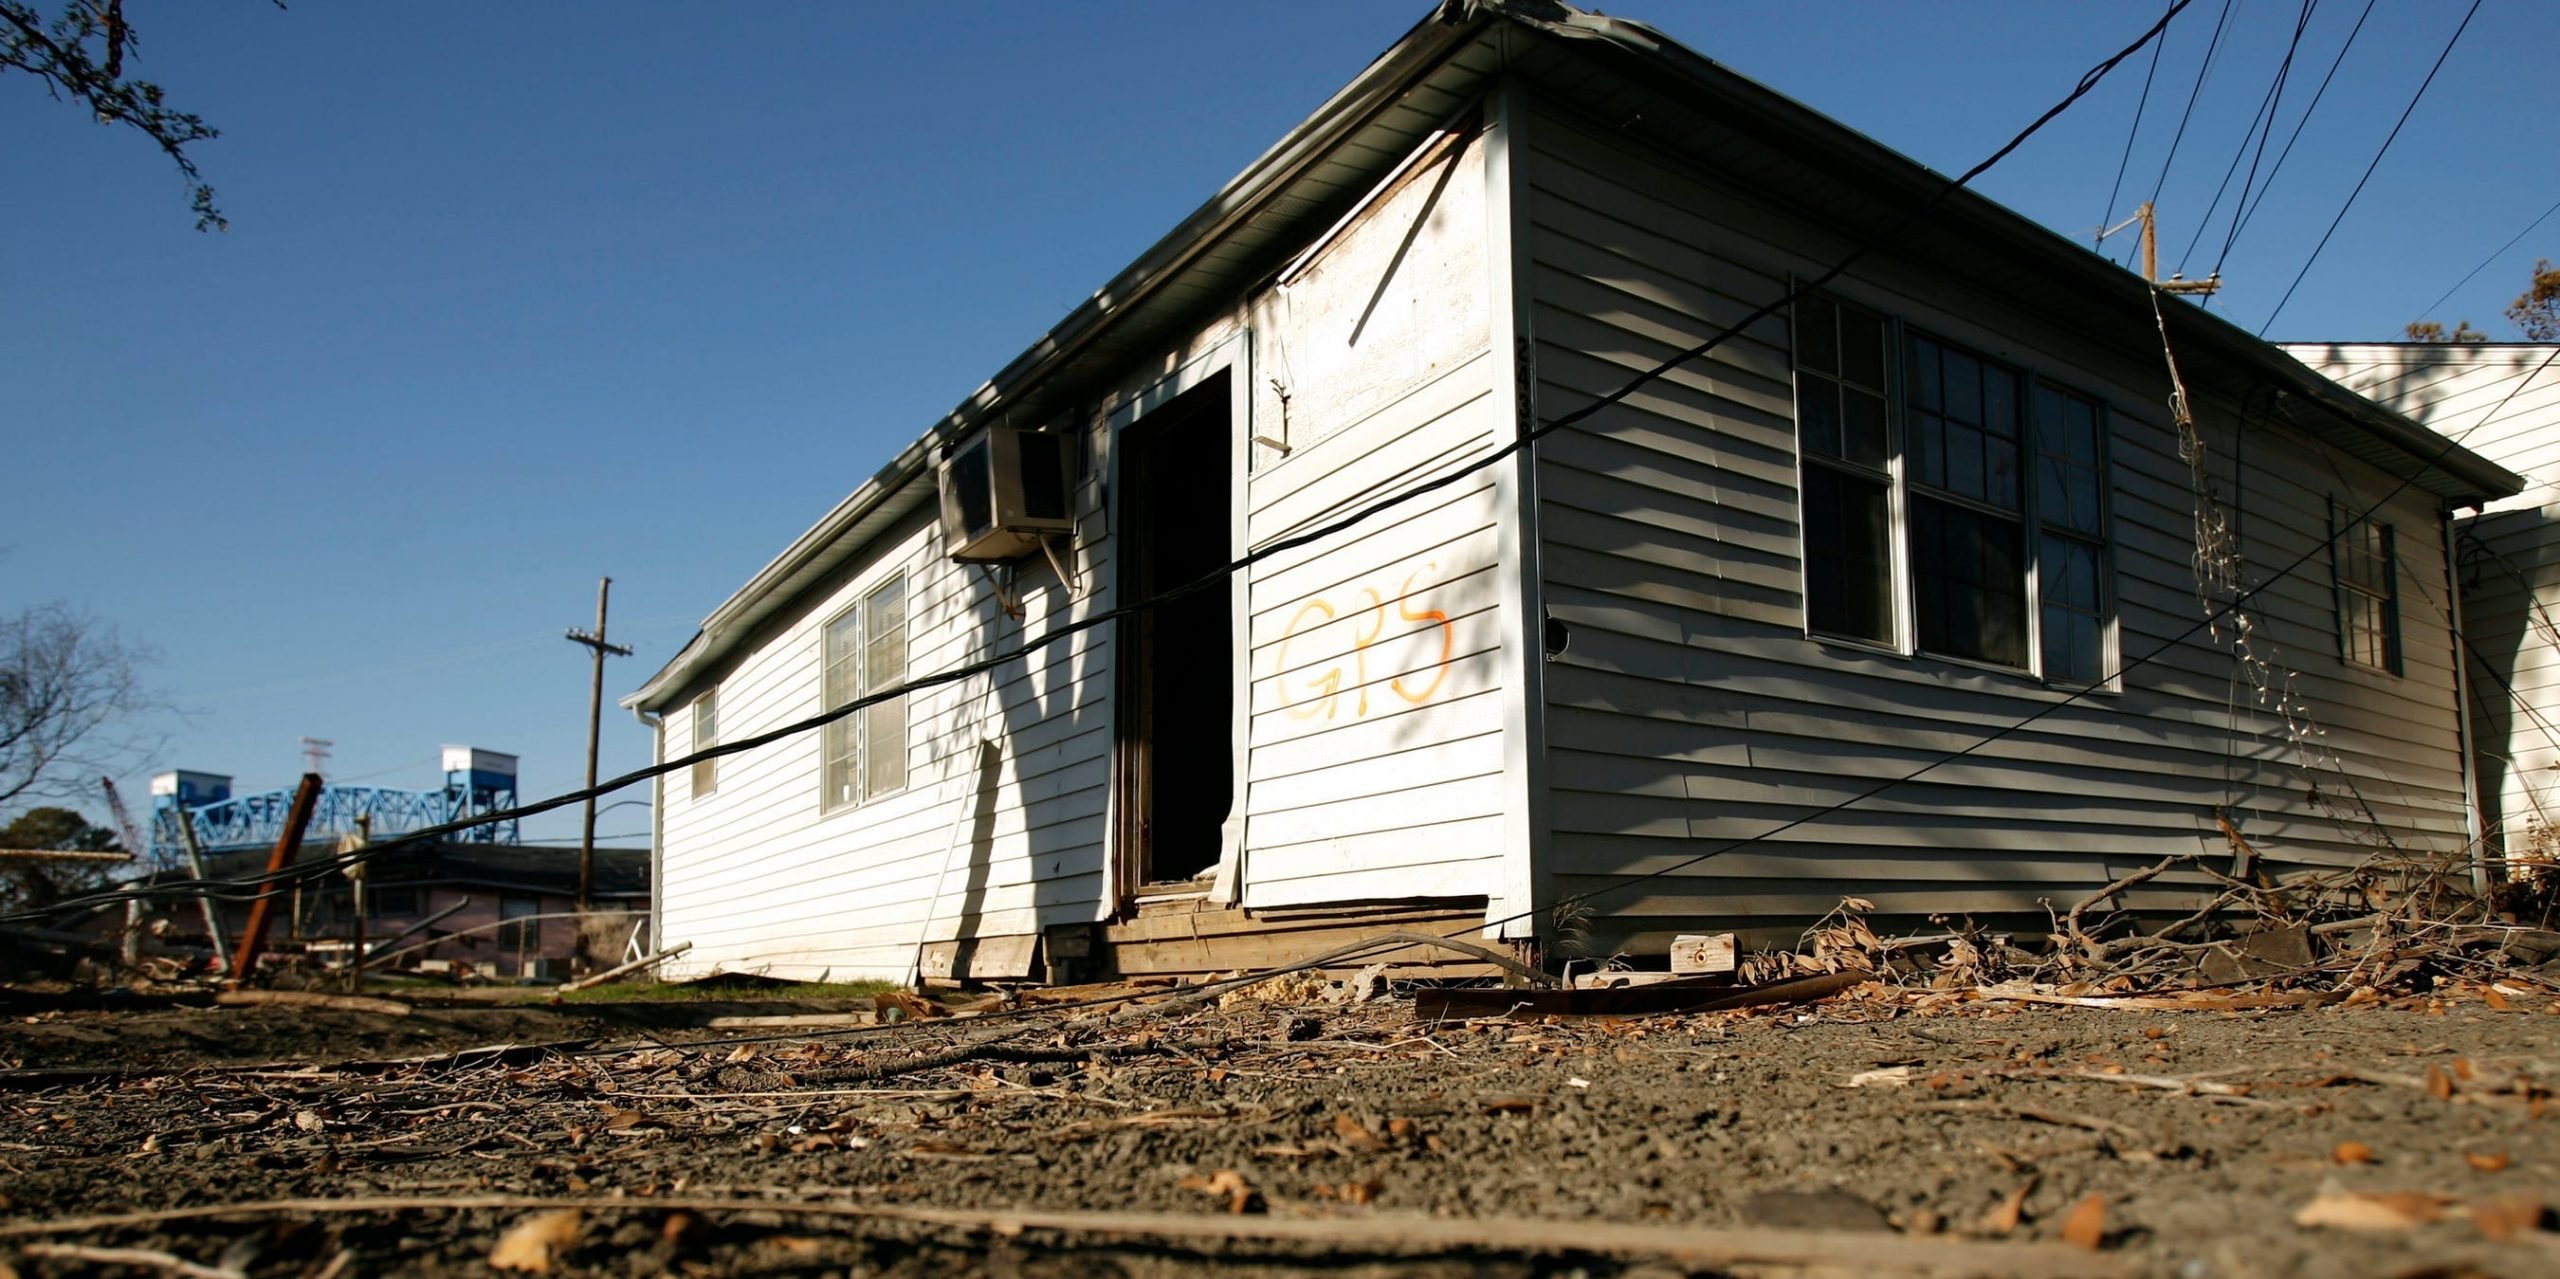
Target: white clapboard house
1939,496
2502,401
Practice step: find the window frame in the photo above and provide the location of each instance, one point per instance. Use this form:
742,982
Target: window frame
849,740
2385,595
706,772
2036,530
1898,638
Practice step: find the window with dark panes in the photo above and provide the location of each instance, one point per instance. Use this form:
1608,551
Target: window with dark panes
2368,585
1968,524
1842,426
2071,577
2004,494
865,753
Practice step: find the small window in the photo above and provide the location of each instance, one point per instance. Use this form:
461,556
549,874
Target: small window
1843,434
391,901
2363,560
706,734
865,753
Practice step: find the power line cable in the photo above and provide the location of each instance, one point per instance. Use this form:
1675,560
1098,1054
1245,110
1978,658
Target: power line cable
2263,125
2203,70
2140,105
2305,119
2493,256
2088,81
1358,950
2238,600
2405,113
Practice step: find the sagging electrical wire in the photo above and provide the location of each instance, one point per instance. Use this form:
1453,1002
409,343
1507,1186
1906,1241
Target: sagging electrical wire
2493,256
2385,149
2203,71
302,871
2239,598
2262,126
2251,212
2125,161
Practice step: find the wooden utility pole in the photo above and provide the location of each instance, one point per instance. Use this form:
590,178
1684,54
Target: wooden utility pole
288,850
195,866
2151,260
595,729
355,894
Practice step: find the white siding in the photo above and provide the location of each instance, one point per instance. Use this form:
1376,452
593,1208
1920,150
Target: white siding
1691,709
1374,766
1376,762
759,879
2502,400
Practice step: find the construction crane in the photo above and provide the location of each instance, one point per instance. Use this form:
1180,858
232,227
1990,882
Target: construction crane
134,844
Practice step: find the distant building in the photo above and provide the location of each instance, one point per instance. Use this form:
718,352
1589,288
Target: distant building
499,882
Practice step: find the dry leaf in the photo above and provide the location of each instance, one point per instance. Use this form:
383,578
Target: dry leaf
2439,1084
1355,1134
2497,1003
1886,1077
2371,1210
898,1005
2486,1160
2085,1226
2005,1215
1403,1129
743,1052
1225,1182
2462,1069
2502,1218
531,1244
2351,1152
679,1227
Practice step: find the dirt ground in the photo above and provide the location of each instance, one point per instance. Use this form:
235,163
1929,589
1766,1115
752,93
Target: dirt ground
1995,1139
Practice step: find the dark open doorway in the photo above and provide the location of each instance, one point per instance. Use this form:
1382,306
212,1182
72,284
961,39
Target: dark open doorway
1176,662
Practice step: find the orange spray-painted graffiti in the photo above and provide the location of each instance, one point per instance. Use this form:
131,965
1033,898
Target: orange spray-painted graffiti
1327,683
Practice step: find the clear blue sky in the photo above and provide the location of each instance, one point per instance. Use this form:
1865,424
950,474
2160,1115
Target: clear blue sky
519,295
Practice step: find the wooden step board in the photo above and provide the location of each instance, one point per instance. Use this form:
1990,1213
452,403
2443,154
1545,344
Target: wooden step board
1169,939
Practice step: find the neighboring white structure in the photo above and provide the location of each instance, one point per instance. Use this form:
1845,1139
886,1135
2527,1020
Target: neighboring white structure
2502,401
1608,685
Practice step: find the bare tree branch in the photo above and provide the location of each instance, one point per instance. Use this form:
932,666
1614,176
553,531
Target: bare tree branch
81,56
67,684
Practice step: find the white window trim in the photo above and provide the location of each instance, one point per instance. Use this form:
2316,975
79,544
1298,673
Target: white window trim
1904,588
856,724
706,772
2395,658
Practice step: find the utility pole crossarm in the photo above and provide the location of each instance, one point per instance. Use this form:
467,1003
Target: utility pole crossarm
577,636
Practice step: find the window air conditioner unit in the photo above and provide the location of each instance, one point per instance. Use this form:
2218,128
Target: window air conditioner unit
1005,490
